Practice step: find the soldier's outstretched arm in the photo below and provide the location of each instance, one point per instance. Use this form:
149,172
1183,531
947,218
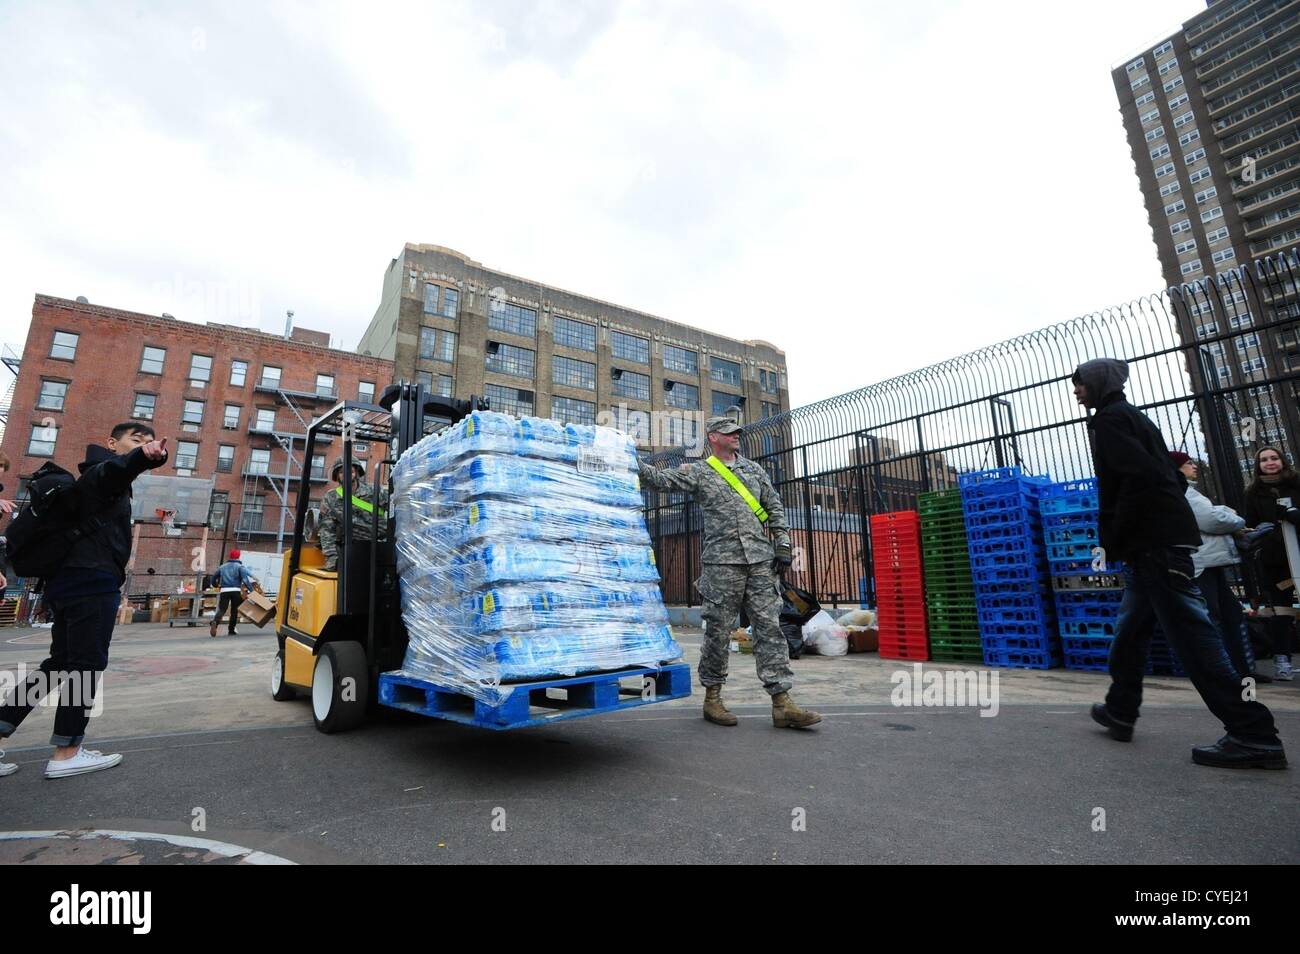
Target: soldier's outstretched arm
684,480
776,521
328,533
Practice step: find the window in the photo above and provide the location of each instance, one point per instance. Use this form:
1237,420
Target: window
1139,82
630,347
770,409
1218,235
1155,134
1183,120
677,394
1146,98
436,345
64,346
1168,190
225,458
1244,320
318,467
683,431
516,319
259,461
430,299
238,373
43,441
630,384
52,395
1163,48
143,408
572,411
187,455
450,302
1189,268
1160,151
1162,171
1204,196
1175,207
573,373
250,513
325,386
366,392
1209,215
230,417
1178,101
1226,255
425,379
1195,156
444,388
1204,331
193,413
200,368
1248,341
1182,248
1225,372
1150,117
726,372
1253,365
509,400
1136,64
507,359
722,400
1166,67
1198,175
575,334
218,507
1187,138
151,362
1183,225
1173,84
681,360
265,419
270,376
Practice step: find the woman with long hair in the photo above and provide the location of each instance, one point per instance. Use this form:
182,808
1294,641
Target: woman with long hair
1274,479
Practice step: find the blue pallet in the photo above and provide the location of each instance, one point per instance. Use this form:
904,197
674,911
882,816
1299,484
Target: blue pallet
1071,488
1005,644
975,477
1007,574
1086,614
1001,530
1083,662
1077,533
1089,627
1023,616
1078,550
1038,629
1022,659
999,552
592,694
1013,600
1082,503
1086,644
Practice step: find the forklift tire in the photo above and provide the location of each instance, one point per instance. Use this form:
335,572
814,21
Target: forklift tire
340,687
281,691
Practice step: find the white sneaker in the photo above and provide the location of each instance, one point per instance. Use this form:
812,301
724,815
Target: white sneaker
6,768
86,760
1282,668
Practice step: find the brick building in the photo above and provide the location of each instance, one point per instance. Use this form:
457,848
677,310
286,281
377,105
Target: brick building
233,402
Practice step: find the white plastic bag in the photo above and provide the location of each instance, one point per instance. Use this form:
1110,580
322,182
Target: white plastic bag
859,617
823,636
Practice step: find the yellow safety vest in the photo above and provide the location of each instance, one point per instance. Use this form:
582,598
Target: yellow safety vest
725,473
365,505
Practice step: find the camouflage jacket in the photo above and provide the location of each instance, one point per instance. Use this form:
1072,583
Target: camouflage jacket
732,533
331,517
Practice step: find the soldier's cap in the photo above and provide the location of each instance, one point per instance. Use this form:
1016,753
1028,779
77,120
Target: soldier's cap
722,425
338,466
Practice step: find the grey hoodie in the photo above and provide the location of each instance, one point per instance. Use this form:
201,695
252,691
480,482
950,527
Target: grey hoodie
1102,377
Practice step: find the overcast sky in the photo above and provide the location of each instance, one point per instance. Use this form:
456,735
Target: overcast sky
871,186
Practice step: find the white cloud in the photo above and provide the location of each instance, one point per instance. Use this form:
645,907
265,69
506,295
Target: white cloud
873,188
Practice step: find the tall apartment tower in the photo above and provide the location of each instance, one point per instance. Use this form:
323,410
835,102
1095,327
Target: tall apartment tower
1212,115
532,349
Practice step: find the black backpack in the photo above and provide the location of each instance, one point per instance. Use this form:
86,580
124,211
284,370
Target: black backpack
41,535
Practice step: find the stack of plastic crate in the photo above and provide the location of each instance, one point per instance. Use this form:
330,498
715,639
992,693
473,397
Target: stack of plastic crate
1017,617
953,623
1088,590
900,593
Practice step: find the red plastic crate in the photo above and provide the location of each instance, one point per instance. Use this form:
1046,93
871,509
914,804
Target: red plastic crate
909,651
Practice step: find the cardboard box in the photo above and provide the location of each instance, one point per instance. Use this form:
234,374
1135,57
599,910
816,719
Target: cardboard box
863,639
257,609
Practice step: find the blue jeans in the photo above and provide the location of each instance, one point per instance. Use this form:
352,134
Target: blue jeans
1159,586
83,626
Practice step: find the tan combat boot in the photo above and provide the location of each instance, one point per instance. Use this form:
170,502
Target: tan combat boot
714,710
786,714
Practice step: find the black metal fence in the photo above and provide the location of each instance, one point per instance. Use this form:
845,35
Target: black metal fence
1211,363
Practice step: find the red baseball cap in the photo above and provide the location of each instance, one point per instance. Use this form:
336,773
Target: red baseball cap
234,554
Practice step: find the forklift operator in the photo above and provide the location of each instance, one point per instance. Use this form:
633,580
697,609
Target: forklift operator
363,506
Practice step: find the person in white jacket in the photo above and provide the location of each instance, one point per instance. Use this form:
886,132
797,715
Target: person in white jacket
1218,525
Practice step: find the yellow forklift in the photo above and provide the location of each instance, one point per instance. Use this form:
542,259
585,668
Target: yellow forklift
339,629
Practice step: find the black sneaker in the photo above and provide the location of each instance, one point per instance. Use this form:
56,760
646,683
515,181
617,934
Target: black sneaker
1119,731
1229,753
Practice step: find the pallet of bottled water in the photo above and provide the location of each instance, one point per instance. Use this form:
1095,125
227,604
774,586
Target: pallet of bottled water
523,556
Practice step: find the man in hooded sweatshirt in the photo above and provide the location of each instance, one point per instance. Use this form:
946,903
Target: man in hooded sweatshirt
1146,522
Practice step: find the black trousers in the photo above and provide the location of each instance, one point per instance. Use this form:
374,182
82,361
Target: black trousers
232,599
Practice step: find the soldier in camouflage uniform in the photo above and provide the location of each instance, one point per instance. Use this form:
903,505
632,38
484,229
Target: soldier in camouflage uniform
741,569
331,511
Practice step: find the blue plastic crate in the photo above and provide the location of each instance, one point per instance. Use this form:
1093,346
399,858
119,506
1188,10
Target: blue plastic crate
1102,601
1086,644
1022,659
1036,629
999,551
1086,662
1025,615
1001,644
1023,573
993,531
1071,488
1071,551
1080,504
1086,614
1089,627
1013,599
1077,532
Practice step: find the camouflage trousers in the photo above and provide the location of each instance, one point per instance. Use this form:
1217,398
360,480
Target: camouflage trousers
726,588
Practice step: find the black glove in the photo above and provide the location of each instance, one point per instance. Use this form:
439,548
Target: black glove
783,561
1290,514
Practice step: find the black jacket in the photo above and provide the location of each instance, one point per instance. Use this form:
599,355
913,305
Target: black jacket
104,489
1141,494
1261,507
